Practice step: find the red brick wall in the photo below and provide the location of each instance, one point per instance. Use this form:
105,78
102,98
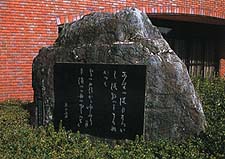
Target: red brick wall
28,25
222,68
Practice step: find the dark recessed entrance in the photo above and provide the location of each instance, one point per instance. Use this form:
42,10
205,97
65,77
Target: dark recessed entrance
197,44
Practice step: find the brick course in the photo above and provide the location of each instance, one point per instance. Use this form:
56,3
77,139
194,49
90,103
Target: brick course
27,26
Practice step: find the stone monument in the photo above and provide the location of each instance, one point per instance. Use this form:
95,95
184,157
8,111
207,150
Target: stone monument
172,108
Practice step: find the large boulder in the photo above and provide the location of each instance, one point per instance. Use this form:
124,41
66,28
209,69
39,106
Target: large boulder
172,107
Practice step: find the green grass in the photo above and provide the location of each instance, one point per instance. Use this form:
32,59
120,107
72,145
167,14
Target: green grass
19,140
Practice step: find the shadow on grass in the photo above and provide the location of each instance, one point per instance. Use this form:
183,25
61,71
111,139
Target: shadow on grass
30,107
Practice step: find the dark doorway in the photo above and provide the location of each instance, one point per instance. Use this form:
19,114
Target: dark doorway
197,44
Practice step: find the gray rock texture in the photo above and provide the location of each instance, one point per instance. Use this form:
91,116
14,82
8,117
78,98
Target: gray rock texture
172,108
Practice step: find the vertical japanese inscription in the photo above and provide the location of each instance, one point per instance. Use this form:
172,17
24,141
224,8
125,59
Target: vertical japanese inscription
118,94
101,100
80,81
85,102
114,100
90,107
123,102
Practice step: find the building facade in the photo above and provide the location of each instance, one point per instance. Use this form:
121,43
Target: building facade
195,29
